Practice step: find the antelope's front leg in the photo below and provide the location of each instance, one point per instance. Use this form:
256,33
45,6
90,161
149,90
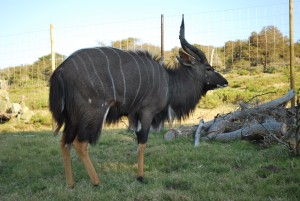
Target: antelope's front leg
141,153
142,138
67,162
82,151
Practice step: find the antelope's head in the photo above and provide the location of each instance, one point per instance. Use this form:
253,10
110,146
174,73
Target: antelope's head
194,58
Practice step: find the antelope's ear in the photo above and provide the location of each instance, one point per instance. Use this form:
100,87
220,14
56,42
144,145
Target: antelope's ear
185,59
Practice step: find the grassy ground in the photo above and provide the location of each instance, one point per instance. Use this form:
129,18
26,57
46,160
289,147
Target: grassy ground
31,169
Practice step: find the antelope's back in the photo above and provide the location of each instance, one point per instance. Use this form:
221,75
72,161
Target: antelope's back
129,79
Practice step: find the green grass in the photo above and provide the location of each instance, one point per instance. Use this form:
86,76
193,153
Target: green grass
31,168
36,95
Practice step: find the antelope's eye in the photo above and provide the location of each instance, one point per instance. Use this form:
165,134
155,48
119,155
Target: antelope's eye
208,68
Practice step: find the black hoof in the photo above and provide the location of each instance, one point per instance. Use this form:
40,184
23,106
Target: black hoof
140,179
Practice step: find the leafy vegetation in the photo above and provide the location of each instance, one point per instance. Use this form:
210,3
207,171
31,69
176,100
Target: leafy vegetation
31,168
243,87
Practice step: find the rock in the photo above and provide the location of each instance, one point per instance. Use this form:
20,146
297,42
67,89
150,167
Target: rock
3,84
26,117
3,106
24,109
3,94
15,108
9,110
170,135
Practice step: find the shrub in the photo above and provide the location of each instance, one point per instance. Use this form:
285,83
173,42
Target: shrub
243,72
41,119
270,70
254,87
211,100
255,71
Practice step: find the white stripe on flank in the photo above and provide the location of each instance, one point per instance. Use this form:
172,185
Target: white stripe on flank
146,69
171,114
77,68
94,68
111,77
140,79
158,73
75,64
152,68
87,71
166,84
123,76
105,115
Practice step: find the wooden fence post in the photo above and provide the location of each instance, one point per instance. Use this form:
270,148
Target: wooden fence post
162,40
292,53
52,47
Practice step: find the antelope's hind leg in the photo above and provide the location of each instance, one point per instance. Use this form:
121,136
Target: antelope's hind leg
67,162
82,151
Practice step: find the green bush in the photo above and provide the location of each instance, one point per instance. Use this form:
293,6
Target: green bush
36,97
243,72
254,87
41,119
228,95
211,100
236,85
39,103
255,71
270,70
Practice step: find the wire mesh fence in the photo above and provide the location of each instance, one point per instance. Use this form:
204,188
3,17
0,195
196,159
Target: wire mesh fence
231,39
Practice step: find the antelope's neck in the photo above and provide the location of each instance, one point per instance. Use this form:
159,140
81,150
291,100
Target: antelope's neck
185,91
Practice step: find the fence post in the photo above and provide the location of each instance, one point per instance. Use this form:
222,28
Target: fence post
292,54
212,56
52,47
162,40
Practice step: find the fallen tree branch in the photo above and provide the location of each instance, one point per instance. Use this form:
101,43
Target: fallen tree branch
272,132
223,123
269,121
251,132
282,101
198,132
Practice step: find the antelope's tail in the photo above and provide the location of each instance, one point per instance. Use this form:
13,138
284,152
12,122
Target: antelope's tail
57,99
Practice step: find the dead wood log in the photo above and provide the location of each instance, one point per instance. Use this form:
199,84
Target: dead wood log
282,101
227,122
270,119
198,132
252,132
